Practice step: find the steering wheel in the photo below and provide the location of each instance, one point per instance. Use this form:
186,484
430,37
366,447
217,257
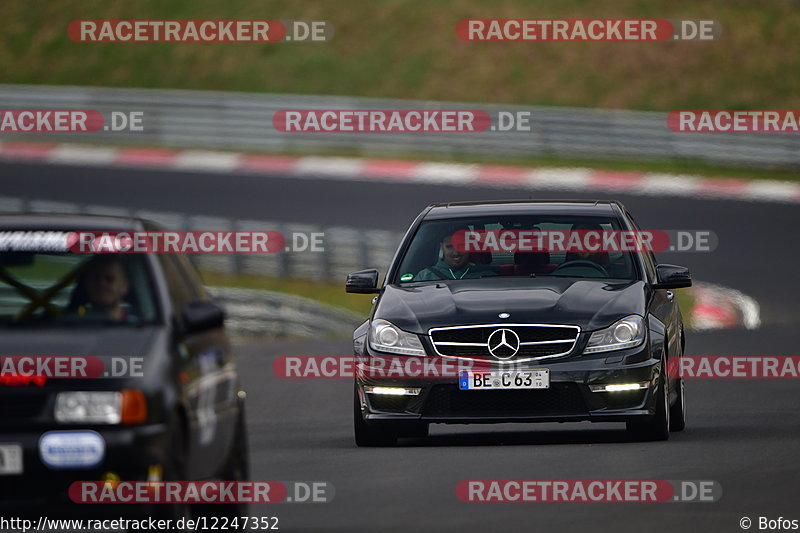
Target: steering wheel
582,263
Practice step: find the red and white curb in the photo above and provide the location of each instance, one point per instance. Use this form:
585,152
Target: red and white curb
718,307
394,171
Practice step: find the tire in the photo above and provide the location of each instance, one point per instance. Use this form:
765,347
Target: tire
237,468
677,412
370,436
175,470
657,427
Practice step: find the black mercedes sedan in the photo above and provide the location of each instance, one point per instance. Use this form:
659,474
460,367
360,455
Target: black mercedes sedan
540,334
156,396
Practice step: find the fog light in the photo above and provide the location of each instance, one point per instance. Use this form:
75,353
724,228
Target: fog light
111,479
155,473
392,391
621,387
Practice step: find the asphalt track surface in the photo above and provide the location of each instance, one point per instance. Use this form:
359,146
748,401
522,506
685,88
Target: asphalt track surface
742,433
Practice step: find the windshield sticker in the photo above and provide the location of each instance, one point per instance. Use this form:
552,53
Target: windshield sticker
34,241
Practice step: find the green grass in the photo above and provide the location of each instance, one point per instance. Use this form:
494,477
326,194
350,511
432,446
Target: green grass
408,49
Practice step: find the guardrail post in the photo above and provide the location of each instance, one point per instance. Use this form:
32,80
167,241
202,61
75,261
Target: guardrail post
238,260
363,250
326,259
284,264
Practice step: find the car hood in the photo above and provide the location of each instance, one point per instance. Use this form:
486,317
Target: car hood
589,303
104,343
100,341
147,343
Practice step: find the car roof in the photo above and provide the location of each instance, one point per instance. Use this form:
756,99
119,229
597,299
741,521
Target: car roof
73,222
523,207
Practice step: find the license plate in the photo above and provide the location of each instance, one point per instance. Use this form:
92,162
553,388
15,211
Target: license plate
10,459
498,379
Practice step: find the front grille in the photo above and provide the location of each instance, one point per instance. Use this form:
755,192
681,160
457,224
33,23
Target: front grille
535,341
559,399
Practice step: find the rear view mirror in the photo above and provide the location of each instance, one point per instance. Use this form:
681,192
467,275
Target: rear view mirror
202,316
672,277
362,282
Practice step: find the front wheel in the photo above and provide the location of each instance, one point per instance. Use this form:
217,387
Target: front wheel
677,413
657,428
366,435
175,469
237,468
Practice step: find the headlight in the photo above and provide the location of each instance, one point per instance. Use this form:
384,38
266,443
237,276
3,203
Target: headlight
89,407
386,337
101,407
625,333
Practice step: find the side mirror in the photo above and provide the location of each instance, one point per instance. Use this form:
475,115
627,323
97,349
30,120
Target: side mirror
672,277
202,316
363,282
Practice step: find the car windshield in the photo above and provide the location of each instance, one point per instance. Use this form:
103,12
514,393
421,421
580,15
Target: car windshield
522,246
52,288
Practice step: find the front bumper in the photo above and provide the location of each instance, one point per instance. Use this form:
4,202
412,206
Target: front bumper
569,397
129,451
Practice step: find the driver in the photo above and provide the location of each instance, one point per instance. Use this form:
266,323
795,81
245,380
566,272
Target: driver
600,257
106,285
454,264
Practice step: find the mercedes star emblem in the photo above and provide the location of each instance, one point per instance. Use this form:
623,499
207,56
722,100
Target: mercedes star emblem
503,343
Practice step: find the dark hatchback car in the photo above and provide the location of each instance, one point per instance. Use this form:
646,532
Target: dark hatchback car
561,336
171,408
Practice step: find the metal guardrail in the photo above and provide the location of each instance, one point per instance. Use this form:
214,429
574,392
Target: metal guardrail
243,121
257,314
